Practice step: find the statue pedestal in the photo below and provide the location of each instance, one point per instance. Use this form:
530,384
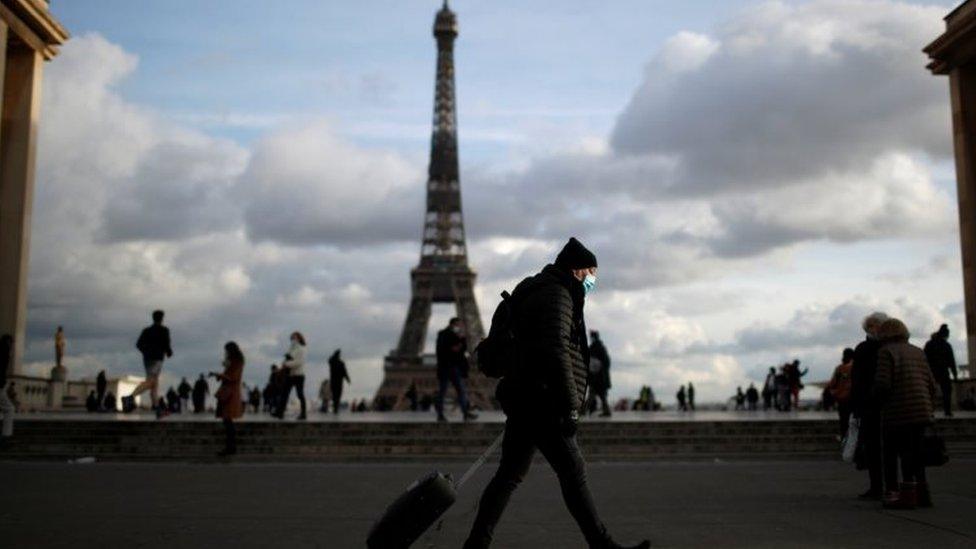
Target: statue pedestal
56,388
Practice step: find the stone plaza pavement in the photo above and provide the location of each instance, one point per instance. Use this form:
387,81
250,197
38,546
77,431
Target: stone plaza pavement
677,504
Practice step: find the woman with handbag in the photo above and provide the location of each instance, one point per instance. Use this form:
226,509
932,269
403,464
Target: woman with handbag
230,406
905,390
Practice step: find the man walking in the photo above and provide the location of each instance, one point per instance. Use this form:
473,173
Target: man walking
942,361
691,397
543,393
154,344
337,374
599,377
184,389
452,367
863,403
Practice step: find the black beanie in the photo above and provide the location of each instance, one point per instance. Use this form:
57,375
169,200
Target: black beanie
575,256
944,330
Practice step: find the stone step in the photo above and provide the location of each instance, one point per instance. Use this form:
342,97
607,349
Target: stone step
121,440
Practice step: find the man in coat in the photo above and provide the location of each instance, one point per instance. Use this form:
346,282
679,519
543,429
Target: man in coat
863,404
599,377
200,391
543,394
337,375
452,367
942,361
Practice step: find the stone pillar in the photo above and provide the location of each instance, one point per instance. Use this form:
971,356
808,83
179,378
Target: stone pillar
962,90
18,140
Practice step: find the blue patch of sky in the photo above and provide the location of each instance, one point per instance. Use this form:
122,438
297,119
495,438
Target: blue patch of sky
236,68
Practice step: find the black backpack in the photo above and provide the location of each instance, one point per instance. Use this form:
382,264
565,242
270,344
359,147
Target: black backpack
498,353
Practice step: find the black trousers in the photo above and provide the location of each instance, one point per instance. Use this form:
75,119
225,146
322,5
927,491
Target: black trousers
903,444
336,397
946,386
844,414
522,437
870,433
298,382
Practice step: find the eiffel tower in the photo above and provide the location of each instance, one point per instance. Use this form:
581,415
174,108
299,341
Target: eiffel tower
443,275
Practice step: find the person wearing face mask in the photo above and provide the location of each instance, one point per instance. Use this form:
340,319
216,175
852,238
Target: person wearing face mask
543,393
452,367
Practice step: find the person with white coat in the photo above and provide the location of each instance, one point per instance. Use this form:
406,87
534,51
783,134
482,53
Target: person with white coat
294,365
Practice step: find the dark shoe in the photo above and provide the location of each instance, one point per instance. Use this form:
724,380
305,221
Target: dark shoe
948,414
441,418
302,417
606,414
870,495
924,497
905,498
128,404
468,416
161,413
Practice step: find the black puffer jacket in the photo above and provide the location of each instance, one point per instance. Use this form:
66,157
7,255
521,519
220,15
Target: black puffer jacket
551,376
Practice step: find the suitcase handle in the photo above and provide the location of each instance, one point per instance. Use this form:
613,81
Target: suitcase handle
479,462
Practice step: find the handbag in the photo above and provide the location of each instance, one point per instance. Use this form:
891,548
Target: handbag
934,452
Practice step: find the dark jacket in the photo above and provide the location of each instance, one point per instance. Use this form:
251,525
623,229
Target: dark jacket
337,372
601,379
551,375
862,378
941,359
451,353
154,343
903,386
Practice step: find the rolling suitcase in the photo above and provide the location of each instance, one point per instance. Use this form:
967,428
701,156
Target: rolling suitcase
424,501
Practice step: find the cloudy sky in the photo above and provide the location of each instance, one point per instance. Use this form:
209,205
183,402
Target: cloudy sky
754,177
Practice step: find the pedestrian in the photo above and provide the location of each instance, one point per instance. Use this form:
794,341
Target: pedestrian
337,374
255,399
840,389
795,378
154,344
691,397
412,396
452,367
229,403
599,375
681,399
101,385
172,401
543,394
200,391
108,404
752,397
183,390
271,391
863,404
904,389
325,393
783,388
293,375
769,389
91,403
740,399
942,361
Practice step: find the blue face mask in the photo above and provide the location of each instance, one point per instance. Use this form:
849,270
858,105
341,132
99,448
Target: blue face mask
589,282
